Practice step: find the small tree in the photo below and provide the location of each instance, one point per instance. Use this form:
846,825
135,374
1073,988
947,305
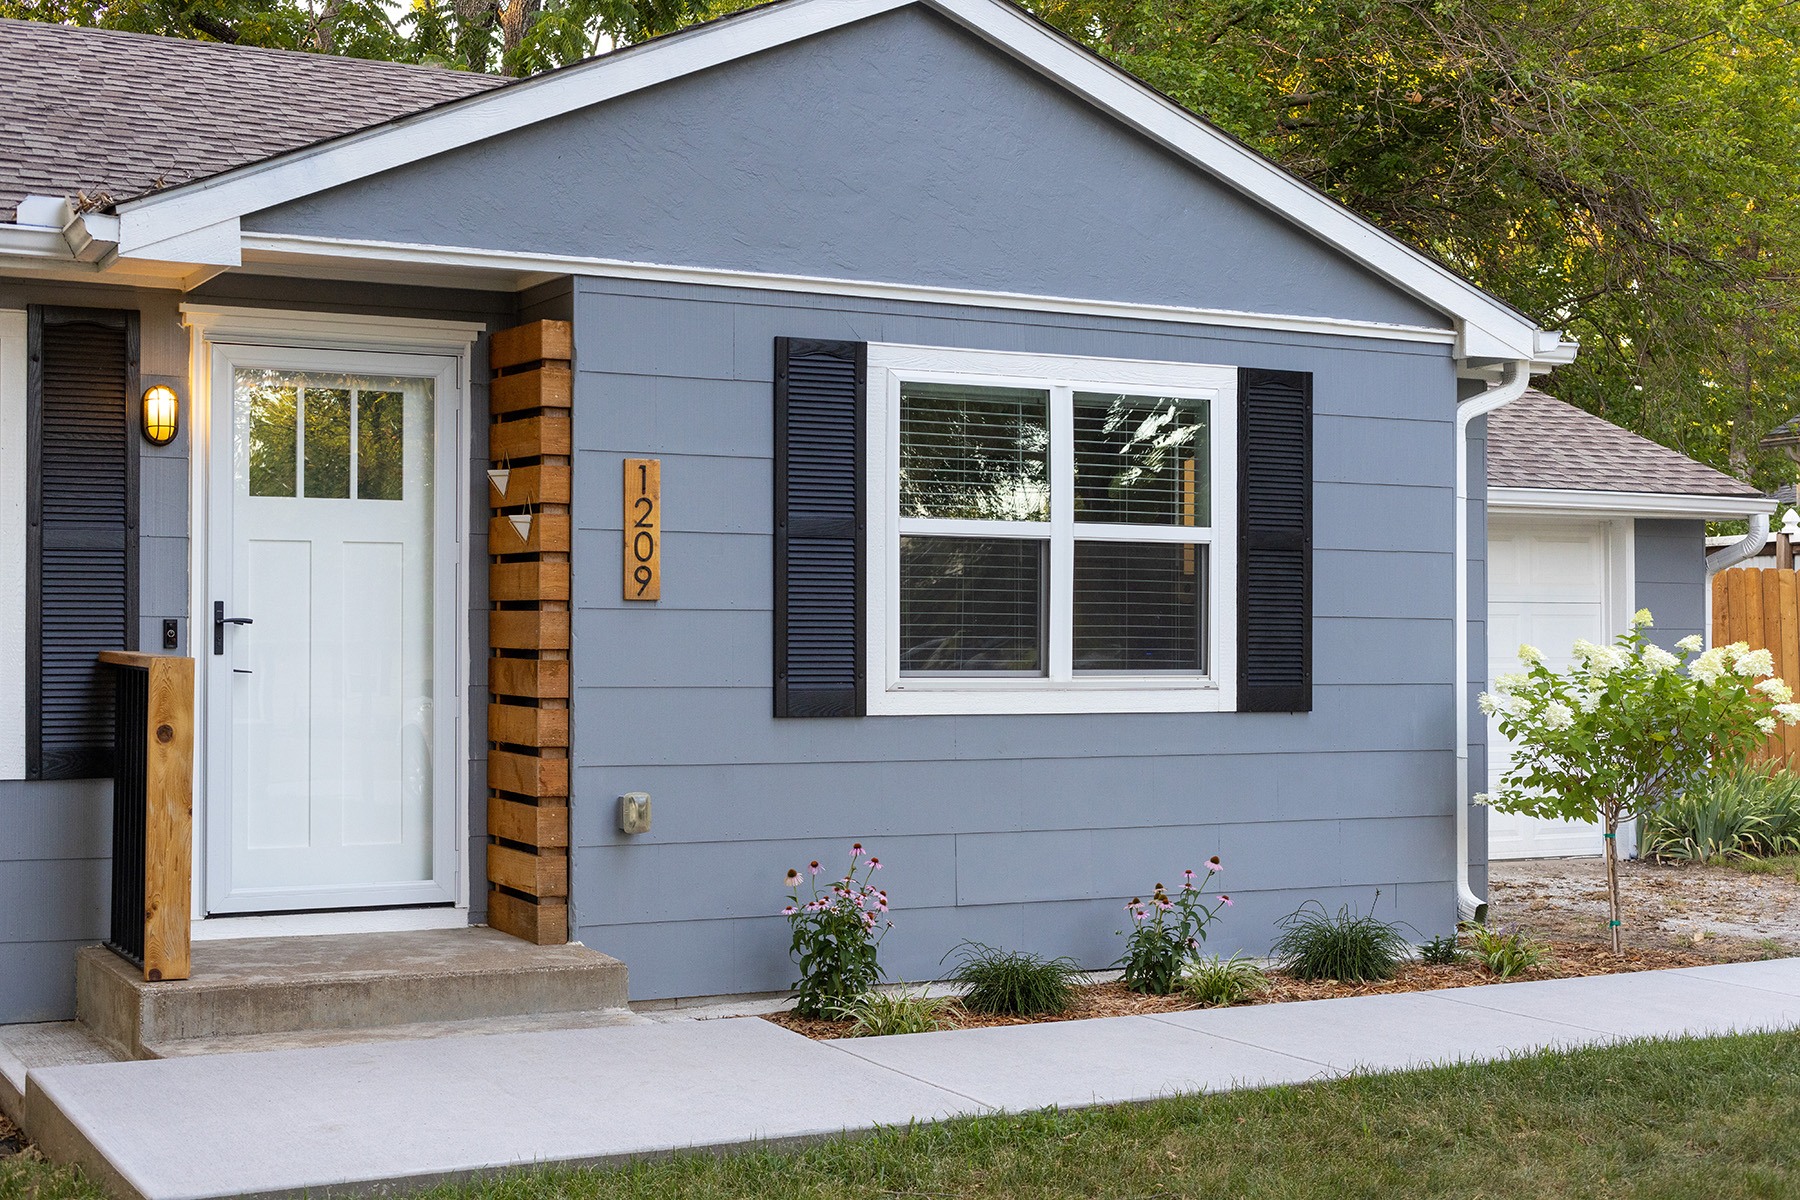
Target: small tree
1628,727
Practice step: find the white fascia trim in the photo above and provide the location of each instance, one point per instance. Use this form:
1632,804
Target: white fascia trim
569,264
285,327
13,565
1489,327
1626,504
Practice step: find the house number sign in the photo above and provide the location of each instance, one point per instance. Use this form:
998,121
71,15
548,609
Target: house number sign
643,529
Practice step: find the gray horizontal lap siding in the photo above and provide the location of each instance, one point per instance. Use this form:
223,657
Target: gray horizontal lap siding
898,149
1671,577
55,871
1030,831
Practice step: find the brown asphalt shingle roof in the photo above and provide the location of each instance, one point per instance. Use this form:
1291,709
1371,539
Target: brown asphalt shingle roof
1537,441
94,110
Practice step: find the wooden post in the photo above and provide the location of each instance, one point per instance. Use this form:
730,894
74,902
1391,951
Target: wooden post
529,544
169,810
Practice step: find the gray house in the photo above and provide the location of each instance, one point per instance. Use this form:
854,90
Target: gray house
1040,488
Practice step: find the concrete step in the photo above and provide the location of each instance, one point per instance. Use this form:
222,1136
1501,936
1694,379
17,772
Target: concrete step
252,1043
313,986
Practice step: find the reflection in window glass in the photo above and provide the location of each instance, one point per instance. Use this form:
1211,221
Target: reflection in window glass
327,413
272,411
380,445
1138,606
1141,460
971,605
974,453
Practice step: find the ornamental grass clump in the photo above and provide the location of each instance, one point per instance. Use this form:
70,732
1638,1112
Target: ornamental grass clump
1441,951
1216,982
1629,728
1011,983
1505,952
1350,947
1750,811
837,935
884,1014
1166,931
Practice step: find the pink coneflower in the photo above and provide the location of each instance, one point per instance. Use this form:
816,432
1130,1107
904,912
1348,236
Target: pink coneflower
1187,874
1225,900
815,866
876,863
788,911
1212,865
856,850
793,878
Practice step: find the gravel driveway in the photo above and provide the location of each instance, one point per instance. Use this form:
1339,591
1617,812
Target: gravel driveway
1726,913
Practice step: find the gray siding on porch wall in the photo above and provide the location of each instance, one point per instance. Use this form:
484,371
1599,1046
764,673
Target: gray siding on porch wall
1027,831
898,149
1671,578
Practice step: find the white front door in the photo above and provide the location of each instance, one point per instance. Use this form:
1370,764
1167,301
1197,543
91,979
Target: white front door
330,777
1548,584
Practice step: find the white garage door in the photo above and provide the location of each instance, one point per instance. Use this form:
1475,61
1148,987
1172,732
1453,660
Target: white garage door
1547,586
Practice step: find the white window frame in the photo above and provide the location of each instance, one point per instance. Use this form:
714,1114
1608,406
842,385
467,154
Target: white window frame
1060,690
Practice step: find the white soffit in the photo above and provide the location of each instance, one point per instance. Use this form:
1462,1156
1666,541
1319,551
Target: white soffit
1625,504
1488,327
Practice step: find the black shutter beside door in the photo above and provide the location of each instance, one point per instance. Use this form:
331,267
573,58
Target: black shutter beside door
81,532
1274,541
819,527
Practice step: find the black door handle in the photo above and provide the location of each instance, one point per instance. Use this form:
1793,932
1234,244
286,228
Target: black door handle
220,621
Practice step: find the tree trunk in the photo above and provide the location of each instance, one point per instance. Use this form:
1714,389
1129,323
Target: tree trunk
1612,876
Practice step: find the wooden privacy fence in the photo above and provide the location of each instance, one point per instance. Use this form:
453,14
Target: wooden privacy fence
1761,606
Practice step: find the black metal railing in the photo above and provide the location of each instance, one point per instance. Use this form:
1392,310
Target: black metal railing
131,712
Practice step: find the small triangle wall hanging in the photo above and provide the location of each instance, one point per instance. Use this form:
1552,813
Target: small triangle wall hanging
522,523
498,477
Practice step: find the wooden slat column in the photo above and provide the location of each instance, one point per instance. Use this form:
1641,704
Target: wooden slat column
528,632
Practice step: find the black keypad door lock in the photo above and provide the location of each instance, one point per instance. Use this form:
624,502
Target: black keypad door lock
220,621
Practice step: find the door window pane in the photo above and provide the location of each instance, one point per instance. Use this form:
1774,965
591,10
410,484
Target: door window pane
1138,606
971,605
1142,460
327,412
380,445
974,453
272,411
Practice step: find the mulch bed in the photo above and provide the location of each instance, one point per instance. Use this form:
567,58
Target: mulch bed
1567,959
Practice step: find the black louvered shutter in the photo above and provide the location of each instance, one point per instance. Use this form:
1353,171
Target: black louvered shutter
82,533
1274,541
819,521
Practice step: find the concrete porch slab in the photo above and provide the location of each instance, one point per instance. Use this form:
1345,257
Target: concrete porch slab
399,1114
1394,1032
295,985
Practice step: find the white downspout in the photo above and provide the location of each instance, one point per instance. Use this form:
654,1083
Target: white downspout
1515,377
1732,555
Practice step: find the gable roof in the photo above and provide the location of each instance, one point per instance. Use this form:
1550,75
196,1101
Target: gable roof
115,115
1540,442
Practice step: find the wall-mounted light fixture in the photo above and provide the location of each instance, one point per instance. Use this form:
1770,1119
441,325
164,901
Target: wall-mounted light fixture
162,413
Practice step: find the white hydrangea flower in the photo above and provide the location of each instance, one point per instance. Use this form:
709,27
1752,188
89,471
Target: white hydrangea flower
1641,619
1482,798
1766,724
1659,660
1558,715
1490,704
1530,654
1789,713
1755,663
1692,643
1709,665
1599,660
1588,701
1776,690
1511,682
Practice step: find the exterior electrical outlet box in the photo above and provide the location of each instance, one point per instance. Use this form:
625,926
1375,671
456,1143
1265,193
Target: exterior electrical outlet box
634,812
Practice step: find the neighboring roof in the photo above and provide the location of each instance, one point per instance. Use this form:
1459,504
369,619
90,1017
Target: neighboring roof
1540,442
98,111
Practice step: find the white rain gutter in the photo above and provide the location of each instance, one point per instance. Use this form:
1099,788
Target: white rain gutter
1515,377
1732,555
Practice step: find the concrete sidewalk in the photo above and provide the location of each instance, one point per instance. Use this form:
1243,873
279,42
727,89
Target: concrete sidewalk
390,1115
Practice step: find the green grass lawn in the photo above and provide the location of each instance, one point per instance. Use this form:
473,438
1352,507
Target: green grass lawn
1713,1119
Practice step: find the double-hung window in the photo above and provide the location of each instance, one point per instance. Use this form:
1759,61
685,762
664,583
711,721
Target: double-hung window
1049,534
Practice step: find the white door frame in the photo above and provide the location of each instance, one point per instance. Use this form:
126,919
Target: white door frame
221,337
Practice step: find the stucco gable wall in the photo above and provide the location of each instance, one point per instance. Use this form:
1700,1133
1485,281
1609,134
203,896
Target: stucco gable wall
900,150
